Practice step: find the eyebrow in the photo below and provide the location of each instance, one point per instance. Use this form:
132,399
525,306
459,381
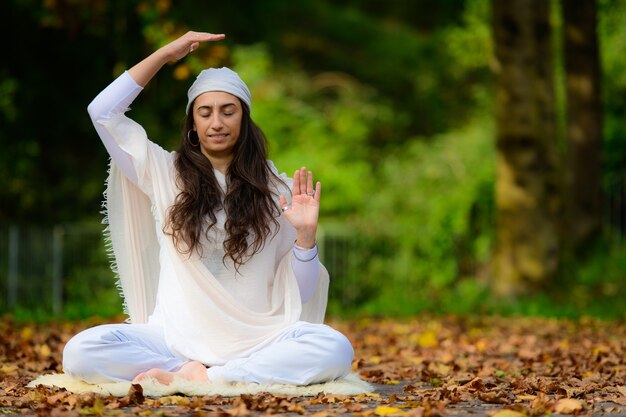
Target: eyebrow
221,106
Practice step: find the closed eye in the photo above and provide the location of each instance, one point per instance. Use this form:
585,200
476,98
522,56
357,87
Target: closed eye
227,110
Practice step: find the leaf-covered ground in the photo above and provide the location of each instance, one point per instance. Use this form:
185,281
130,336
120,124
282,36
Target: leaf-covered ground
507,367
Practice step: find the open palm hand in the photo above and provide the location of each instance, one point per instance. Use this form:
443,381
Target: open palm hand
303,213
188,43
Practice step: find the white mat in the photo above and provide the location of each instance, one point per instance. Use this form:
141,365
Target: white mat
350,385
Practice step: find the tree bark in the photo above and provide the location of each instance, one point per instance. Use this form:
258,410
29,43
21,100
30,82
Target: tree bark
527,187
584,123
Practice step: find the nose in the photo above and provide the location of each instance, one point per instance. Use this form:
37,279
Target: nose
216,122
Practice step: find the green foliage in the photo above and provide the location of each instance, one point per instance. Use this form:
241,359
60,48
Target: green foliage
599,275
420,210
423,241
612,38
435,207
390,105
321,122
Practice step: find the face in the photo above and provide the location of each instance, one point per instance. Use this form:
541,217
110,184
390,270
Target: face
217,121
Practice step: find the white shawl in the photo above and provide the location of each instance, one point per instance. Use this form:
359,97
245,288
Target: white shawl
222,328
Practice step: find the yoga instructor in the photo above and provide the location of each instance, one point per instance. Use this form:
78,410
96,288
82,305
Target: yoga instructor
216,251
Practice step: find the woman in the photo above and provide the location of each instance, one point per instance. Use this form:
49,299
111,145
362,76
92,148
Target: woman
239,293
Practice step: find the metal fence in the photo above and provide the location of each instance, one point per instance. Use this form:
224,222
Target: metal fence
64,269
43,269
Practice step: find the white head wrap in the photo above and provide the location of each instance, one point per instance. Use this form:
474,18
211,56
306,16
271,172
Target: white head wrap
219,79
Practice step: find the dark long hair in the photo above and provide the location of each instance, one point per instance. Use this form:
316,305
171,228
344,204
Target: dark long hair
250,203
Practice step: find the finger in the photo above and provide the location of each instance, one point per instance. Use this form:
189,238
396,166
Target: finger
303,180
309,184
318,191
198,37
205,36
213,38
296,183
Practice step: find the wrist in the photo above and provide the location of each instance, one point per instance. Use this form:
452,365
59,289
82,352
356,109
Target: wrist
302,248
306,239
164,55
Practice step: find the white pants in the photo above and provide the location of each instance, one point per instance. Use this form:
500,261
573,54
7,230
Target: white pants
305,354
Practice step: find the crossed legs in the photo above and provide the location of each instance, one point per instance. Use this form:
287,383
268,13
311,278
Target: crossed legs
304,354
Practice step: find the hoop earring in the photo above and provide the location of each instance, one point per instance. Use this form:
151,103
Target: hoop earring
195,145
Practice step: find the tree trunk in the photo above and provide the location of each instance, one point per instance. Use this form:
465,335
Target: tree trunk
584,123
527,186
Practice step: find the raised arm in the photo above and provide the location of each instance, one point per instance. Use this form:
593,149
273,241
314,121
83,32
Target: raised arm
118,96
145,70
115,99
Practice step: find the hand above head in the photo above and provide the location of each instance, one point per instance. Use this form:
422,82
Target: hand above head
173,51
303,213
189,42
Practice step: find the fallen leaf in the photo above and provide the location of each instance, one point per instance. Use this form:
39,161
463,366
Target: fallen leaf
525,397
174,400
320,414
494,397
240,411
384,410
507,413
568,406
27,333
427,339
135,394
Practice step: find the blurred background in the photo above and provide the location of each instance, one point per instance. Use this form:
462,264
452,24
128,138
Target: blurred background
471,151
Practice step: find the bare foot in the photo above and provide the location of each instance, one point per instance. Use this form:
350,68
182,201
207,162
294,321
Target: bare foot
191,371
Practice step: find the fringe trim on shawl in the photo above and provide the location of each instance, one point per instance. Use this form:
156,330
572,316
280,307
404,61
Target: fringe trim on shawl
108,242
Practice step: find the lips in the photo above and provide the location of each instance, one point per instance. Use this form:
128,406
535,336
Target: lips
220,137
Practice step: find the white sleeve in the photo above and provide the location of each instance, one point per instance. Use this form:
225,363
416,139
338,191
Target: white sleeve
306,268
114,100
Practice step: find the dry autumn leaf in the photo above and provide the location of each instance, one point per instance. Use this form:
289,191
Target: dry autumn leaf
384,410
568,406
507,413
